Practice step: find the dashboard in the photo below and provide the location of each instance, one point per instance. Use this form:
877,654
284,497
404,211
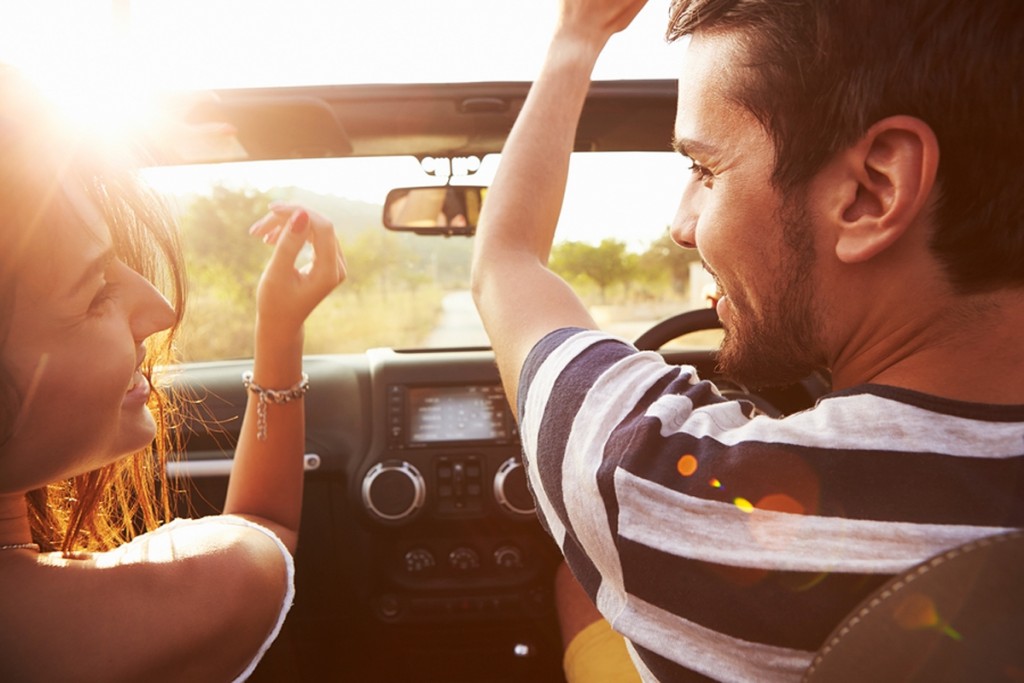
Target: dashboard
420,557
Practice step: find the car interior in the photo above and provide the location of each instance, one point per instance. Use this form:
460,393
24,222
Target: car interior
420,556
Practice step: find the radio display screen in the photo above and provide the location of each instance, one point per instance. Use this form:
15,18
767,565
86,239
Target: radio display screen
457,413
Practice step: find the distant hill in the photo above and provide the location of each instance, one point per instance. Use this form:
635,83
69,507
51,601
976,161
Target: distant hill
350,216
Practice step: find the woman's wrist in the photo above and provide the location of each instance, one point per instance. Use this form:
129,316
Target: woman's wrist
277,361
266,396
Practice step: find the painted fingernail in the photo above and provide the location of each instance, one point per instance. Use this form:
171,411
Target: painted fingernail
300,221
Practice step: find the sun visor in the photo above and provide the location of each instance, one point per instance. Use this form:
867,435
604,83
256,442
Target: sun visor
278,127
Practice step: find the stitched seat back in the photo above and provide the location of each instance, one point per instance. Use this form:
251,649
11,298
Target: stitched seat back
956,617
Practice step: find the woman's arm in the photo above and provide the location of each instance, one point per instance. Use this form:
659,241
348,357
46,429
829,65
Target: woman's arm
266,478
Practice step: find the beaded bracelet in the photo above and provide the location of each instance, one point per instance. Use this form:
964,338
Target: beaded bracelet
272,396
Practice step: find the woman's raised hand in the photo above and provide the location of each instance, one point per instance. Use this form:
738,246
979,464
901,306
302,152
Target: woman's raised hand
287,294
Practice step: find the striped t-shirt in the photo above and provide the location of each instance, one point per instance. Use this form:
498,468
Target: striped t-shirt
727,545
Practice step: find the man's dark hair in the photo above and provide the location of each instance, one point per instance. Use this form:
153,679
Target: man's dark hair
821,72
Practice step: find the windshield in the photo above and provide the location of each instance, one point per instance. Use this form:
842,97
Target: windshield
408,291
404,291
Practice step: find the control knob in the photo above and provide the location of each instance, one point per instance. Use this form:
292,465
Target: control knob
511,491
393,491
508,557
419,560
464,559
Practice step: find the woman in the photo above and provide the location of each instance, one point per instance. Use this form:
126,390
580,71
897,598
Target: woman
83,431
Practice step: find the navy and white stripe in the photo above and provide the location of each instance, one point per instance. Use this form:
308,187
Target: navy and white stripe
740,570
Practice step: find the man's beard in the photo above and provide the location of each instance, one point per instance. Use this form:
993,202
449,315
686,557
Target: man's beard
779,344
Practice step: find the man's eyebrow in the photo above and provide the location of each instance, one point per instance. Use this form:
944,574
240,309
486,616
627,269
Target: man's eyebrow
93,269
689,148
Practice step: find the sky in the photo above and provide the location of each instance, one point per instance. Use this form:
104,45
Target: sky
103,59
240,43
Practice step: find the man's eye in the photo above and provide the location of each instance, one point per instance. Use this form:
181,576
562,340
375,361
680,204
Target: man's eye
701,173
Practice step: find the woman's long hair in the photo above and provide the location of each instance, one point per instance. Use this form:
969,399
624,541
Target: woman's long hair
106,507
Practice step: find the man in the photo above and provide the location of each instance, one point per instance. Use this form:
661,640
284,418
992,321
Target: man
857,195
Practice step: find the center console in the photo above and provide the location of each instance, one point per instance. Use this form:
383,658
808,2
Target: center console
444,439
455,532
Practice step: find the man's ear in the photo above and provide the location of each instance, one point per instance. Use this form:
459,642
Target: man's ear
884,182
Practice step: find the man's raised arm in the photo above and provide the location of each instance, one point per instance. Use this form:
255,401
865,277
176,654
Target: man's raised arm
519,299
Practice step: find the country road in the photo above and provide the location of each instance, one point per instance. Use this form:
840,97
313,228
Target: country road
460,325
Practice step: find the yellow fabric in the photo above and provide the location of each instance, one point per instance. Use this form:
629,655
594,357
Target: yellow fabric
598,655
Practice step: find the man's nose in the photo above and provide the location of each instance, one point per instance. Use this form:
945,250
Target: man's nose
683,229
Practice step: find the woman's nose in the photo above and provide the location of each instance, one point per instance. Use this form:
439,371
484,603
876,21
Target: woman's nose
151,312
161,315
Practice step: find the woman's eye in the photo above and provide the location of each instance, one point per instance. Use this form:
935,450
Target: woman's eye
103,296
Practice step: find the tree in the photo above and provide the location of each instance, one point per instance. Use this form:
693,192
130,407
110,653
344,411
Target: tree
214,231
664,256
224,264
606,264
381,259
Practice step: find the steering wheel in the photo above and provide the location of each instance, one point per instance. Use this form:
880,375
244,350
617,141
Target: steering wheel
693,321
676,326
816,384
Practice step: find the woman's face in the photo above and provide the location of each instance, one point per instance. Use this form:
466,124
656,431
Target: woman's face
74,348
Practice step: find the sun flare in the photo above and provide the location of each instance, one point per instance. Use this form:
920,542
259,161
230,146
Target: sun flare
78,56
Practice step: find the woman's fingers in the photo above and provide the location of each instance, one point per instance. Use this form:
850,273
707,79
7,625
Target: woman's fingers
270,226
289,238
288,292
328,267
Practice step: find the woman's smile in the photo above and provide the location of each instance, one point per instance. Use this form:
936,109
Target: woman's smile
138,390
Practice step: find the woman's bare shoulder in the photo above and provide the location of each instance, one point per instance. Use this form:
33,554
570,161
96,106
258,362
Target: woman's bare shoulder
213,589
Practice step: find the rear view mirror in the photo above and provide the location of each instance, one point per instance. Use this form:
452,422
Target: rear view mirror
440,210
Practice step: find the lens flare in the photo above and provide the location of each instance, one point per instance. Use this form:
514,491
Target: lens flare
743,504
687,465
918,611
780,502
